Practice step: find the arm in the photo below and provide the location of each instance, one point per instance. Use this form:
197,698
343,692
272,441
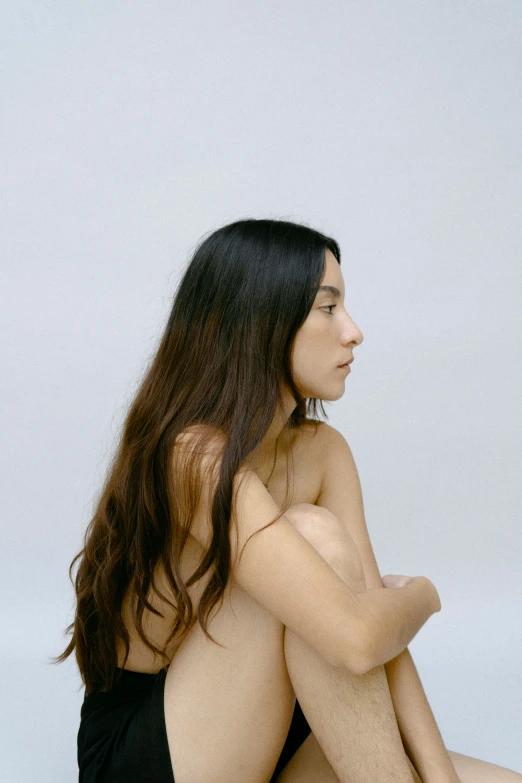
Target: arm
394,617
341,494
272,562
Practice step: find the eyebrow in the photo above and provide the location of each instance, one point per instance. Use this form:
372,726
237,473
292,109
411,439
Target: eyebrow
329,289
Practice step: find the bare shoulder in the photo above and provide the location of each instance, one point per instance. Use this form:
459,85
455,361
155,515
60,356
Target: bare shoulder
312,448
331,453
211,440
325,437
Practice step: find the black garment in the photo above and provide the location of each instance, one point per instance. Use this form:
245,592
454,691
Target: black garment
122,734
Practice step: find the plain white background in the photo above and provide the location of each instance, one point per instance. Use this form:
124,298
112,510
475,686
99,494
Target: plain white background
129,130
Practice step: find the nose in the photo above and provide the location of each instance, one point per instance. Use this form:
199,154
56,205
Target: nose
351,332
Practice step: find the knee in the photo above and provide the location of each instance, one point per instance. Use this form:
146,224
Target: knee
329,537
318,525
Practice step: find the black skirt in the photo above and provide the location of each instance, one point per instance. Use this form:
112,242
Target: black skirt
123,736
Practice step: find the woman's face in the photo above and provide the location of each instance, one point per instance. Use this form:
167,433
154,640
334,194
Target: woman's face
325,340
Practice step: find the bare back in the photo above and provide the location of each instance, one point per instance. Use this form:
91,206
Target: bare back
305,484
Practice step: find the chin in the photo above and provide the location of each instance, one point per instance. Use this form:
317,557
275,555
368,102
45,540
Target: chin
335,397
328,395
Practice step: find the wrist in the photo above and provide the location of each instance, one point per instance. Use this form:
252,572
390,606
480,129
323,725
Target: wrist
431,591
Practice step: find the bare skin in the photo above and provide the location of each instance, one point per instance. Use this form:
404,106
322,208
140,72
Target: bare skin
198,693
228,693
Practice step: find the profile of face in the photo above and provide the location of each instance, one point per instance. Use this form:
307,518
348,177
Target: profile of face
326,339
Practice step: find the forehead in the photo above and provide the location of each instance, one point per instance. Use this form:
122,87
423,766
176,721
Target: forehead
332,272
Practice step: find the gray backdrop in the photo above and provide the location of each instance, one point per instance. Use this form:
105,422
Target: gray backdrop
130,130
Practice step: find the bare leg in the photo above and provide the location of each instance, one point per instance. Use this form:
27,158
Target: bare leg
310,765
351,716
228,710
471,770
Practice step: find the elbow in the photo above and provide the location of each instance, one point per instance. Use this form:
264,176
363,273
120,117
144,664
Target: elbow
359,664
359,658
363,665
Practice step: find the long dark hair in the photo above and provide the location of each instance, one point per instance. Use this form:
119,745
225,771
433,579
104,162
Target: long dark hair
222,358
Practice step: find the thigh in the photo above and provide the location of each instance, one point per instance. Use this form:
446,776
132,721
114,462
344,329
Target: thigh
308,765
472,770
228,709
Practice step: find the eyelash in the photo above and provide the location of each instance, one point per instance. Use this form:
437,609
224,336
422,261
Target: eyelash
324,308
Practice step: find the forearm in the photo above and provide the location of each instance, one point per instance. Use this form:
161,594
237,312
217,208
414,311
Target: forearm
420,734
393,618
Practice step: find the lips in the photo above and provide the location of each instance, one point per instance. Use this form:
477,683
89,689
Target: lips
346,363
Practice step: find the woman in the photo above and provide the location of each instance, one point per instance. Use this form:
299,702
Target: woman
212,588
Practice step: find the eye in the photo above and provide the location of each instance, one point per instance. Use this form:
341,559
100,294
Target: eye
327,306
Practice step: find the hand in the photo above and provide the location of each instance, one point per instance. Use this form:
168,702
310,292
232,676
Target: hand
396,580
